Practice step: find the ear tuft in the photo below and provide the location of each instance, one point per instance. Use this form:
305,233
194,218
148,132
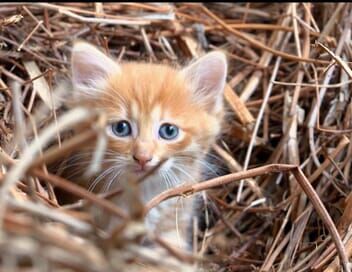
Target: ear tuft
90,67
207,78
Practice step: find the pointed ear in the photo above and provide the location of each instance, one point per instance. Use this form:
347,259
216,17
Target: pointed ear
207,78
90,68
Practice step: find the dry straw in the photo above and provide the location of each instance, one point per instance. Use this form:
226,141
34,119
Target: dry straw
283,202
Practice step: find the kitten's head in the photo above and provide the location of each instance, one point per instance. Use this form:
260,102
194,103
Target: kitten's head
155,112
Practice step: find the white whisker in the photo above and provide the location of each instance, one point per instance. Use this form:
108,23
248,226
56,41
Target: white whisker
183,171
99,178
112,180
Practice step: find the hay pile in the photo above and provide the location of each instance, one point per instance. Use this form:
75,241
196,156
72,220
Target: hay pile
287,204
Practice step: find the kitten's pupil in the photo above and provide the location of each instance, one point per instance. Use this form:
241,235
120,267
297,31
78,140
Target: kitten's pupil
121,128
168,131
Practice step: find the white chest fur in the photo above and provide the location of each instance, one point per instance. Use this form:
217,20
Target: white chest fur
170,219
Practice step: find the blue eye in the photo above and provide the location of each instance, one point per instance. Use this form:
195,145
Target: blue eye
168,131
121,128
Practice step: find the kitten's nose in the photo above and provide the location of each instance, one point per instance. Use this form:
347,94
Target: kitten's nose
142,159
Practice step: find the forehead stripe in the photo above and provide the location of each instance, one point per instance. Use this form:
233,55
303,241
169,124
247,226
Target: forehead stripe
134,110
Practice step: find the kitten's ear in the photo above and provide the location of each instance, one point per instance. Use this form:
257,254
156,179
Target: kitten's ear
207,77
90,67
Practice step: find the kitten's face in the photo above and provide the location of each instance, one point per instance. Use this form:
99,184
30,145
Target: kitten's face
156,113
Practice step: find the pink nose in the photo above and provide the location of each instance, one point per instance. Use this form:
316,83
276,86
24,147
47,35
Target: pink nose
142,159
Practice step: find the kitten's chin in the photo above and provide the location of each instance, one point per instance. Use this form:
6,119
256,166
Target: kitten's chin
138,171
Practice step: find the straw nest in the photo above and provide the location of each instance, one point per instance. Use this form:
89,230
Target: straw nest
284,204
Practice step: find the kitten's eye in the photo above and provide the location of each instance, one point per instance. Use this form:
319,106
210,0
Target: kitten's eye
168,131
121,128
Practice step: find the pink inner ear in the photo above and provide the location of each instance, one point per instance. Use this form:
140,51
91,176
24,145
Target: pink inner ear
90,66
211,76
83,71
207,77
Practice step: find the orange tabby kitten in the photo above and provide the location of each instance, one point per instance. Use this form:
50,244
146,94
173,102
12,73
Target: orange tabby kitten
156,112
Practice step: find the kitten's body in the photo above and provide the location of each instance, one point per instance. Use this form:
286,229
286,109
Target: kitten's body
149,97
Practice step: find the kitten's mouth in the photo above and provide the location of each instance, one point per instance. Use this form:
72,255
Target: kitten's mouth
139,170
142,170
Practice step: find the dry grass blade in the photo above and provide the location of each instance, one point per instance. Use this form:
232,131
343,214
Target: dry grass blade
40,85
258,44
318,205
69,119
205,185
337,59
50,214
11,20
286,133
238,106
78,191
260,115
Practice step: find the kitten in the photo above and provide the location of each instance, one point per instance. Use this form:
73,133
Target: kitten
156,112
